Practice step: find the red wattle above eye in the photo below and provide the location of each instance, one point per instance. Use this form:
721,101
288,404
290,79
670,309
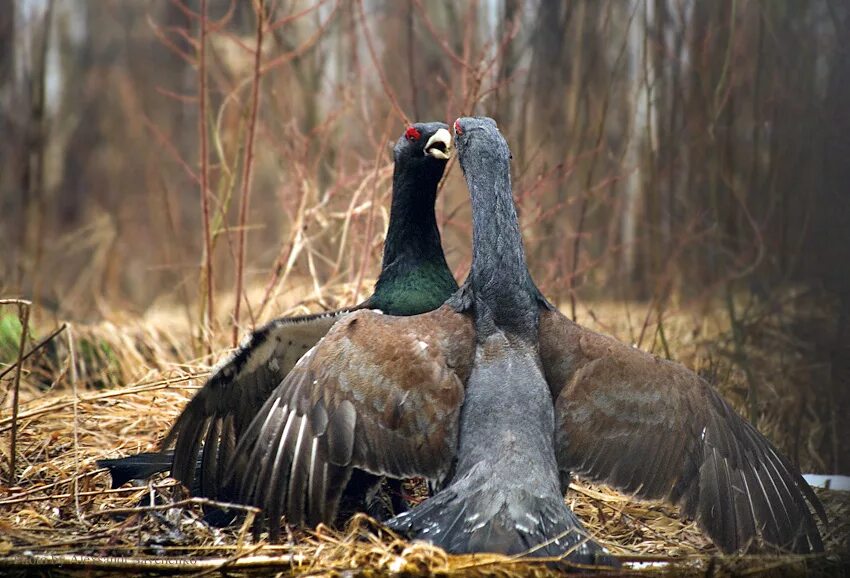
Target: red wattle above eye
412,133
458,130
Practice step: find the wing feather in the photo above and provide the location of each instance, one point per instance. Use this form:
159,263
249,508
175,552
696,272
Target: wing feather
264,455
236,390
298,473
654,428
277,464
209,458
380,394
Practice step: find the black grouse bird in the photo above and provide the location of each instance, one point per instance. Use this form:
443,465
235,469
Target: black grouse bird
414,278
389,395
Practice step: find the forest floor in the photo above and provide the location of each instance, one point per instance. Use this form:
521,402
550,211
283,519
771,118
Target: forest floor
133,375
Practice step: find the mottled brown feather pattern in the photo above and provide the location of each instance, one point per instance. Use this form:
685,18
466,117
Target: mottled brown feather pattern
378,393
653,428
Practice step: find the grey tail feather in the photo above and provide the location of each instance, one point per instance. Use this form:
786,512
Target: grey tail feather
526,524
137,467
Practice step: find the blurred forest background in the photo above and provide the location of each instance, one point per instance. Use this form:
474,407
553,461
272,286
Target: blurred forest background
675,153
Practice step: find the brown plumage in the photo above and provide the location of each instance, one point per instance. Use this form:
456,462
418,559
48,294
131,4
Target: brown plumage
229,400
414,278
384,395
653,428
379,393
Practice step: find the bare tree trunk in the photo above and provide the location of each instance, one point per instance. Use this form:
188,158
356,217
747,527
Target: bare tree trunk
32,181
504,95
11,229
632,214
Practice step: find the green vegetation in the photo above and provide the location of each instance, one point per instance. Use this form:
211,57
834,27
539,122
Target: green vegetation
10,337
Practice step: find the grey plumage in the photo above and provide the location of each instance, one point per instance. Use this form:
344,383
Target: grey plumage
504,495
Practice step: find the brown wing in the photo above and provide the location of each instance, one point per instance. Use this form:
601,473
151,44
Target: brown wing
378,393
206,429
653,428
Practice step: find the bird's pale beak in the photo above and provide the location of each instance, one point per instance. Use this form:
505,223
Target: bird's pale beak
439,145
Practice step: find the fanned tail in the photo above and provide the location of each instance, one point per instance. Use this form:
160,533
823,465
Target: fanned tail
464,519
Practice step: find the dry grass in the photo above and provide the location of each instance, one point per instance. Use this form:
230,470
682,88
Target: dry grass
134,375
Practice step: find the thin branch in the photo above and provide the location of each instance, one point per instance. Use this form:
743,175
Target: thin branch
374,56
284,20
184,98
38,346
169,146
207,272
194,501
27,497
370,218
288,253
212,25
59,405
305,46
247,166
161,35
411,61
441,39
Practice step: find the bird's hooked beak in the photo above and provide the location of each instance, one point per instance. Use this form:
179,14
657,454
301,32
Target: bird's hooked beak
439,145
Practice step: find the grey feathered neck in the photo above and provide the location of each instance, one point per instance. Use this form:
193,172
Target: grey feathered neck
499,285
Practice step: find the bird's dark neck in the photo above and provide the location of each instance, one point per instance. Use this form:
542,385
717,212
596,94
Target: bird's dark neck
413,229
415,277
504,294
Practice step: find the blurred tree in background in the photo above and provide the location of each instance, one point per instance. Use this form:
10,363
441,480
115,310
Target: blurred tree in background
662,141
663,149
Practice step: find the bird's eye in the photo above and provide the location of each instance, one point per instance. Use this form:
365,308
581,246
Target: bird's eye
412,134
458,130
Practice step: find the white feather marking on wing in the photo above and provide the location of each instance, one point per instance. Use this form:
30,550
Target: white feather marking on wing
259,356
314,450
296,452
279,449
289,334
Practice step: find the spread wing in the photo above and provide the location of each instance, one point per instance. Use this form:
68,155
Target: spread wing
204,433
653,428
378,393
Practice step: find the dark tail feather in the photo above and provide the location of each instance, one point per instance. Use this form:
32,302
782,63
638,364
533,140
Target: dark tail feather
488,521
143,466
137,467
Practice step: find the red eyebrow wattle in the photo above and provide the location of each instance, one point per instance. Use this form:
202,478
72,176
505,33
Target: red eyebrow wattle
412,133
458,129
